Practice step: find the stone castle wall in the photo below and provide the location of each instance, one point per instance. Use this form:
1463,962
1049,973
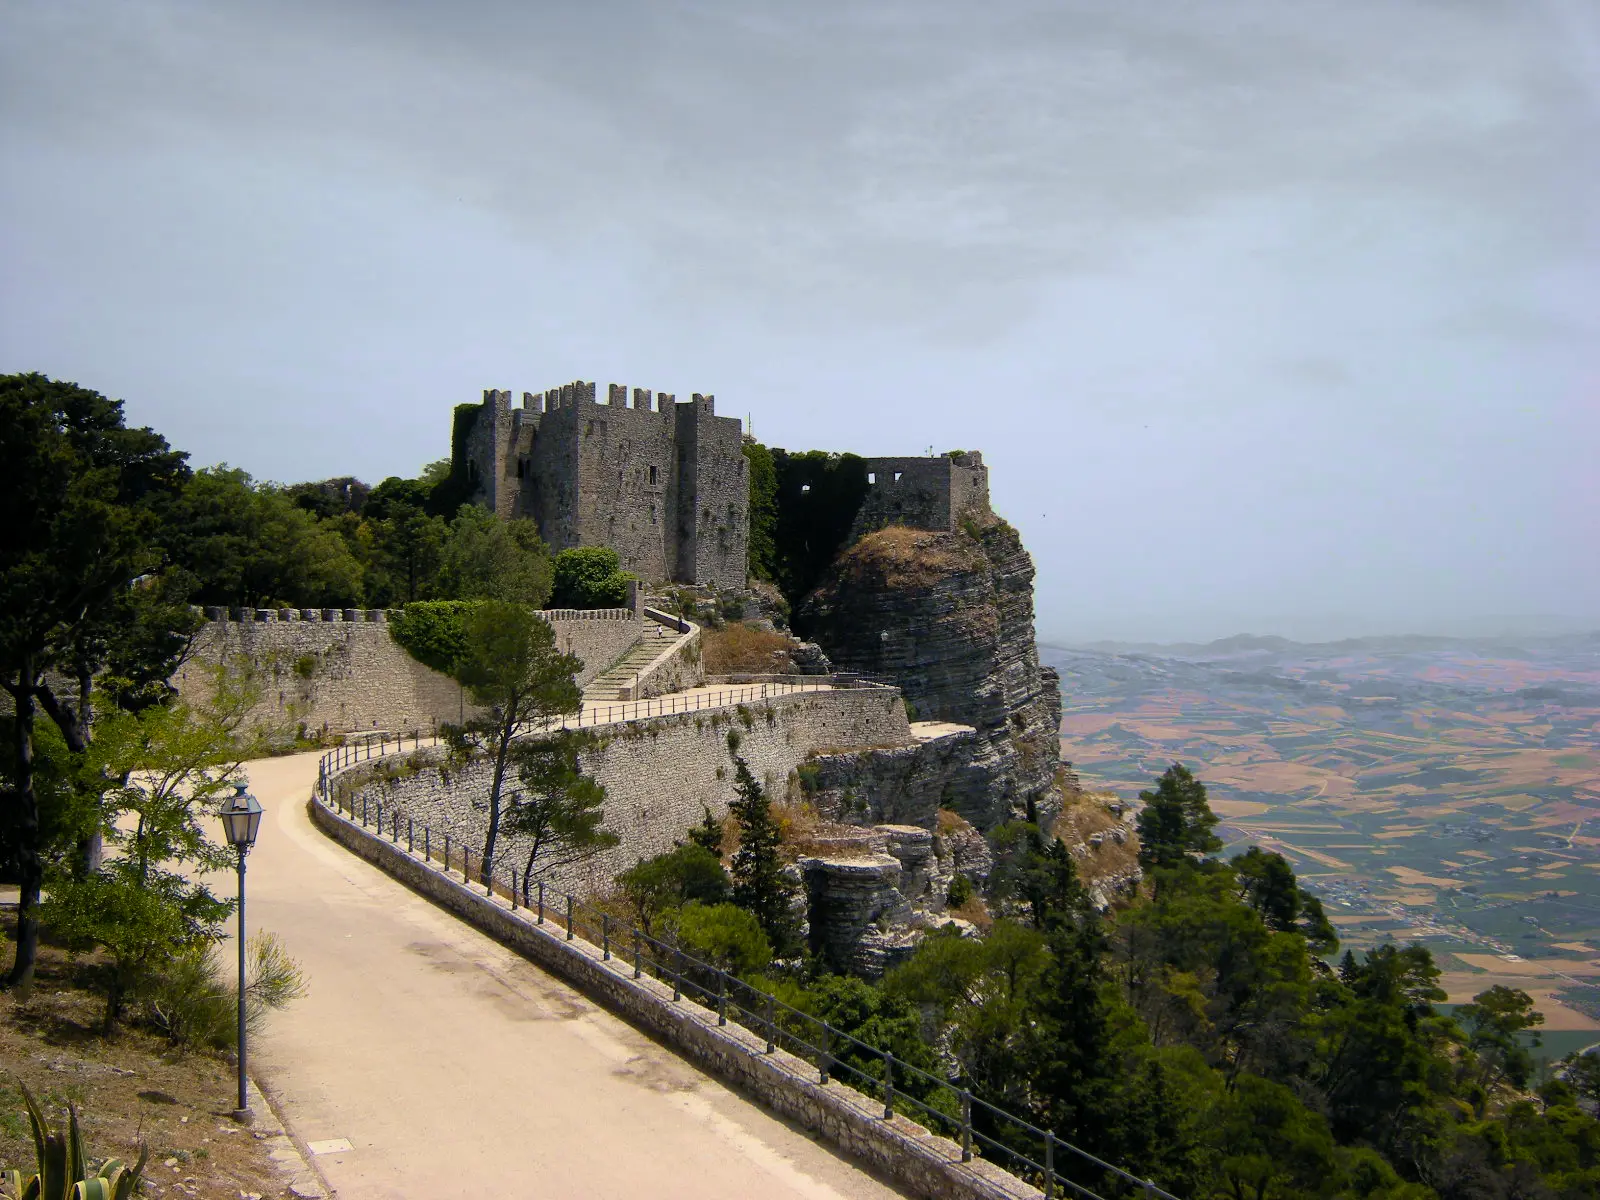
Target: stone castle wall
922,493
659,774
662,483
340,671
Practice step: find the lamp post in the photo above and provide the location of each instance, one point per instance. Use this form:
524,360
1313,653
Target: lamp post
241,818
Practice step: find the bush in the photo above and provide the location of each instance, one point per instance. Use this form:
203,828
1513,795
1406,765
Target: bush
725,936
689,874
960,891
589,577
195,1003
434,632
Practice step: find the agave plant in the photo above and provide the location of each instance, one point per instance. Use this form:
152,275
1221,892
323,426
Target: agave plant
62,1173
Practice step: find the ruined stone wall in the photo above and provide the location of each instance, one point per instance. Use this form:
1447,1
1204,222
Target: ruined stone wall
922,493
658,774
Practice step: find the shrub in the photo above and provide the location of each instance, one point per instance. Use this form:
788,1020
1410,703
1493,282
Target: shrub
689,874
960,891
195,1004
589,577
434,632
725,936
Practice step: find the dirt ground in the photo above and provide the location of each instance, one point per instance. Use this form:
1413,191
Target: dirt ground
127,1088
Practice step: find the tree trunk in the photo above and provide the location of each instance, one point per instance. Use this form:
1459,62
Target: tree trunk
91,847
508,726
30,868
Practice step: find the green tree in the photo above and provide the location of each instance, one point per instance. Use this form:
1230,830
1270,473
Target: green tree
654,887
725,936
759,884
708,834
513,672
1176,823
589,577
1497,1021
487,558
763,539
79,500
558,809
163,771
1268,884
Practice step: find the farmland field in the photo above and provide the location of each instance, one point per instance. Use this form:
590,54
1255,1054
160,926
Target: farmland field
1428,789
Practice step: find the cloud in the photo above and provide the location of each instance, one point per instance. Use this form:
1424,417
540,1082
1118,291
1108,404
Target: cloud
923,161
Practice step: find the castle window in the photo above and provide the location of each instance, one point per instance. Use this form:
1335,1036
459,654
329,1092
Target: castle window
652,514
804,488
897,475
652,473
589,432
872,477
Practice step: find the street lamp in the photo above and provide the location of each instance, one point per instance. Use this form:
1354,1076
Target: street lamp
241,818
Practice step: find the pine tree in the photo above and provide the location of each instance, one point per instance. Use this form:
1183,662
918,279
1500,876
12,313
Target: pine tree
758,882
708,834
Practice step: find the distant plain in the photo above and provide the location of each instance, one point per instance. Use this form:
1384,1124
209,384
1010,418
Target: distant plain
1429,789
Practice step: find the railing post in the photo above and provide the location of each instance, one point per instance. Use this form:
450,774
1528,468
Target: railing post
447,854
363,810
822,1058
638,954
569,916
722,998
772,1025
966,1125
1049,1164
411,834
677,987
427,846
513,889
605,937
888,1085
541,902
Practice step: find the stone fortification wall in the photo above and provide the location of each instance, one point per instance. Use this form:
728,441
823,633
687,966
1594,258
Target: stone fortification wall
331,673
924,1165
599,636
922,493
659,774
661,483
340,671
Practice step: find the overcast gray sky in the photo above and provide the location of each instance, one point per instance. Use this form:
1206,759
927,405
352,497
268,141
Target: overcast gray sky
1268,315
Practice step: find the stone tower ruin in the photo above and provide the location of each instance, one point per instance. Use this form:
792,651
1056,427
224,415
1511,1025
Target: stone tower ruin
664,483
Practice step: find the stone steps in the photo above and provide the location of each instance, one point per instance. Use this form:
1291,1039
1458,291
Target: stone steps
607,687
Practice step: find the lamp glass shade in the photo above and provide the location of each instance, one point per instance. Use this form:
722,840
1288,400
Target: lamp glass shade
241,818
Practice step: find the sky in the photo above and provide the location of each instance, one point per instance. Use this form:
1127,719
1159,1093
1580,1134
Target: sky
1270,317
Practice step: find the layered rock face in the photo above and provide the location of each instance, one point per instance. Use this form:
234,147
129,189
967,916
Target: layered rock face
948,616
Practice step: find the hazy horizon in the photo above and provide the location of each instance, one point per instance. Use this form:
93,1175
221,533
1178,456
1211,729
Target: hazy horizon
1267,318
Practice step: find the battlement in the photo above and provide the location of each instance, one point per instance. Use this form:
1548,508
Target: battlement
660,481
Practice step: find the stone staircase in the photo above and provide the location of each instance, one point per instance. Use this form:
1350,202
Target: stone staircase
607,687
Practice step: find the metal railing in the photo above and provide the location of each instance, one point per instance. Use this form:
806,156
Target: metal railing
940,1105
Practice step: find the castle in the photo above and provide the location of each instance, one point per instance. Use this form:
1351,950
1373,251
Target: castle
664,482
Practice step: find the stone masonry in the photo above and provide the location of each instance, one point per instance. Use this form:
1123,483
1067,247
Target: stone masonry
663,483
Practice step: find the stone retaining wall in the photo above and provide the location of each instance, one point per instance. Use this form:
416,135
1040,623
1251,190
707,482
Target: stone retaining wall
926,1166
660,774
340,670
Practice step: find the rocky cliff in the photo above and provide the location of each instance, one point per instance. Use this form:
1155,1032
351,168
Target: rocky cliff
948,616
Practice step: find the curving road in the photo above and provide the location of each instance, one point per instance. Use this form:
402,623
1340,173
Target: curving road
455,1068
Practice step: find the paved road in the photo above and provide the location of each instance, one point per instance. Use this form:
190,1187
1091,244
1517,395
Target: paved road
456,1068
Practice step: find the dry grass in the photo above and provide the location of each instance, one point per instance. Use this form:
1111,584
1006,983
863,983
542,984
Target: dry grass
128,1087
949,821
974,910
739,649
898,557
